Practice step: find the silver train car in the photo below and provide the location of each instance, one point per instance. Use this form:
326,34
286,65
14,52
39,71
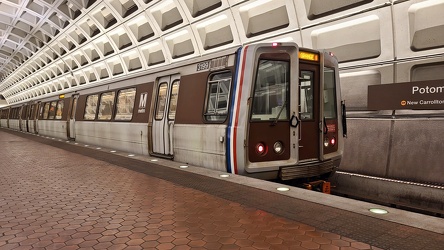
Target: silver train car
268,110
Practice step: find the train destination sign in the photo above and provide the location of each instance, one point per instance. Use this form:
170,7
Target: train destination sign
424,95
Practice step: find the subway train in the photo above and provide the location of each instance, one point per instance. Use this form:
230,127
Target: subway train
267,110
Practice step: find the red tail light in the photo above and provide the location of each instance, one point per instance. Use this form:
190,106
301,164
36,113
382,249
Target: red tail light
333,141
261,149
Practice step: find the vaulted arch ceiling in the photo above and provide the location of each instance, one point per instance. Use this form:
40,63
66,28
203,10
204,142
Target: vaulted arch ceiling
49,47
65,44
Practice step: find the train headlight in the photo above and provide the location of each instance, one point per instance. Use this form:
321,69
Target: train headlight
278,147
261,149
326,142
333,141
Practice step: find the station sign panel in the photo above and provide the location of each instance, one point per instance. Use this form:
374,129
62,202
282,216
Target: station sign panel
421,95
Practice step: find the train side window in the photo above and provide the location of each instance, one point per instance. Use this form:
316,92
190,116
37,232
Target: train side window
161,101
306,92
52,110
218,96
46,111
91,107
270,101
106,106
125,104
329,93
59,111
173,100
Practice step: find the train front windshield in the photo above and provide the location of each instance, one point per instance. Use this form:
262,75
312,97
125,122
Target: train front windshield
271,91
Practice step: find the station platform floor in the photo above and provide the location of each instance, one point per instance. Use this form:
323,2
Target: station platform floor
55,194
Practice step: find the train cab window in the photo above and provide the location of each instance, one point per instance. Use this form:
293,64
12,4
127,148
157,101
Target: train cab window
91,107
270,100
52,110
59,111
125,104
329,93
161,101
173,100
106,106
46,111
306,93
218,96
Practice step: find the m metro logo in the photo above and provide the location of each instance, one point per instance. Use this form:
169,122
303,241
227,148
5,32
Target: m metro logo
142,103
424,95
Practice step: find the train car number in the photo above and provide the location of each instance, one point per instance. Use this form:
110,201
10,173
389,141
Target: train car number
203,66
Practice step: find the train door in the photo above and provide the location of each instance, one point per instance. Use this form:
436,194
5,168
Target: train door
164,114
22,112
28,116
70,128
8,117
38,111
309,112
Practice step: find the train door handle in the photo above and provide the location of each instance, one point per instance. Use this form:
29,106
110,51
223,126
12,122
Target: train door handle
292,121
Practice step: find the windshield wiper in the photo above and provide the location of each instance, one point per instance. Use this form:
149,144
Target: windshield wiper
279,114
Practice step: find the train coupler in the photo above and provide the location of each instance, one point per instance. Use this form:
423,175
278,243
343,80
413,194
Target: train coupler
320,186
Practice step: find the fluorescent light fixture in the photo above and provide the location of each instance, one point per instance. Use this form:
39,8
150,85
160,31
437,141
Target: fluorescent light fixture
282,189
98,148
113,151
131,155
154,160
224,175
183,166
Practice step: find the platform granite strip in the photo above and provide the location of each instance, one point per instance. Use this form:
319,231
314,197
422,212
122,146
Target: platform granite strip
376,232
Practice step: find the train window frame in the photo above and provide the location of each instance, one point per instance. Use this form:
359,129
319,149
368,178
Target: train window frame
172,114
278,114
121,117
330,94
87,105
214,117
59,108
46,107
158,99
52,114
309,114
108,116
